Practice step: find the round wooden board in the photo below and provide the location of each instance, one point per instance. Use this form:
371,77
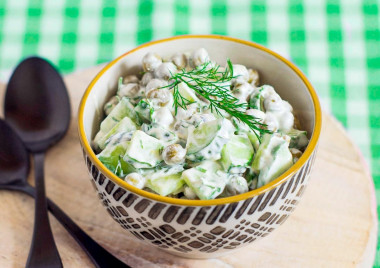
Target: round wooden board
335,224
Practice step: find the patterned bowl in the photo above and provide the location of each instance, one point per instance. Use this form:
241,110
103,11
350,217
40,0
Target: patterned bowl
203,228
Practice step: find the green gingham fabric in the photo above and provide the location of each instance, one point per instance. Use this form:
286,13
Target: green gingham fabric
336,43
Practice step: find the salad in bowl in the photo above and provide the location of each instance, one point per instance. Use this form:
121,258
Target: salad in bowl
189,128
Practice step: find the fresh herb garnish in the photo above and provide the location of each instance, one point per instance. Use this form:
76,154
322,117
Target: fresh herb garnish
120,83
214,86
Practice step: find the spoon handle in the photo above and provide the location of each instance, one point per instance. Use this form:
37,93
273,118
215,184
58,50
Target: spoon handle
98,255
43,251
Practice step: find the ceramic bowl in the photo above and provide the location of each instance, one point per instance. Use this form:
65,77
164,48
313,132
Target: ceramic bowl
203,228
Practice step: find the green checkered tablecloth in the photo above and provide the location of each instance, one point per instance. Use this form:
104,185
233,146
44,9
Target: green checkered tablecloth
336,43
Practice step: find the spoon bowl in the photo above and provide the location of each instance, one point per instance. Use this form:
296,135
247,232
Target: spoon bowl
37,104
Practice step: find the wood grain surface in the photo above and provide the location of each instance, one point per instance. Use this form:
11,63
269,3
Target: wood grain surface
334,225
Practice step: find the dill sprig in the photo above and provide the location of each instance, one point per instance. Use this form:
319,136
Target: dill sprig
213,85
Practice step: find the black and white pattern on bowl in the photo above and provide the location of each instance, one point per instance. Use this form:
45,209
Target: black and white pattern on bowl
201,232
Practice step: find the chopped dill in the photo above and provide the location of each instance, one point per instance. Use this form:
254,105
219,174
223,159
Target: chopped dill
213,85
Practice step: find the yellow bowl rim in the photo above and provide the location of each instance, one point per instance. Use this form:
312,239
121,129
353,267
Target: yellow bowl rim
220,201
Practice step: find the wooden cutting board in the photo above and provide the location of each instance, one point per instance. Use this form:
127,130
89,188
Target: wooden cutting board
335,224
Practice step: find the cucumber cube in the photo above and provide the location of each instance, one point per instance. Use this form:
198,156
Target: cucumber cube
242,128
206,180
166,185
202,136
207,140
144,151
166,181
122,109
125,125
272,158
237,152
112,158
298,139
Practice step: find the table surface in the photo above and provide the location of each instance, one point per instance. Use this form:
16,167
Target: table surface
336,43
335,224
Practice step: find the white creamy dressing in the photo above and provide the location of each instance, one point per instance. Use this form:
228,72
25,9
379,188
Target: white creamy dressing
163,117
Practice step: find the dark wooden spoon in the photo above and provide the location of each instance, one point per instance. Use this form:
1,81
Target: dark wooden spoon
14,168
37,107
